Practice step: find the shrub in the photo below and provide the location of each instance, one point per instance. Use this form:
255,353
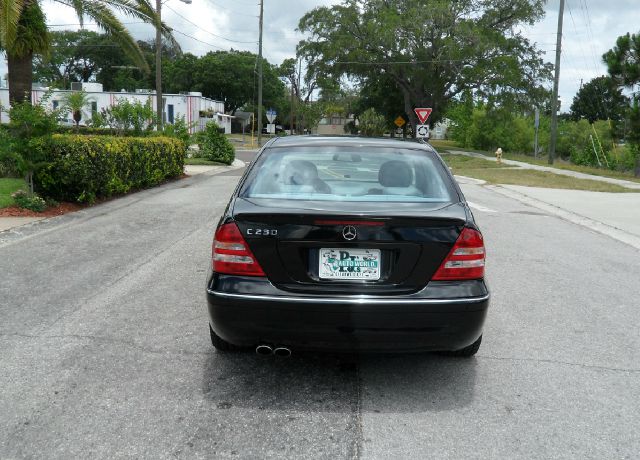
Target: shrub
214,145
29,125
83,168
29,201
372,124
8,160
623,157
126,116
97,120
179,129
497,127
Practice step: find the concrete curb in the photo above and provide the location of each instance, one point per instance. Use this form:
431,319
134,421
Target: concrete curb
11,233
599,227
469,180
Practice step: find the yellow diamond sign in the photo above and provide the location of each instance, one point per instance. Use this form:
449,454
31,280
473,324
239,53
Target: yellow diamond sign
399,122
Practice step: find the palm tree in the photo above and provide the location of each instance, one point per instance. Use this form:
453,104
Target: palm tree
75,102
23,32
29,36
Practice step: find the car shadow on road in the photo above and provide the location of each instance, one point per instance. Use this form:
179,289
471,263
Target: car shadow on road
312,382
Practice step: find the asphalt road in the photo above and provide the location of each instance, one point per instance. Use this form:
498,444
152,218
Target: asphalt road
104,349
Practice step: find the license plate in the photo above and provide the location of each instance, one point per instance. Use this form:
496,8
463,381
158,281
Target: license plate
349,264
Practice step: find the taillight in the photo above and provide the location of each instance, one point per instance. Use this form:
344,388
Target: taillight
466,259
231,254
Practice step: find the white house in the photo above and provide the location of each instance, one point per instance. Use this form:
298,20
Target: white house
196,109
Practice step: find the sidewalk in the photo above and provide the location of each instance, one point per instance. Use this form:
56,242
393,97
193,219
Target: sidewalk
561,172
9,223
616,215
613,214
193,170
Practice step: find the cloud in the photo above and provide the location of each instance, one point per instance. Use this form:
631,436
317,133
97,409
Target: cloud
590,29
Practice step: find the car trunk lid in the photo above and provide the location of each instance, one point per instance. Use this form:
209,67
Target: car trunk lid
291,241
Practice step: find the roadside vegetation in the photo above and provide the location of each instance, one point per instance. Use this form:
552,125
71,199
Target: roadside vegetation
601,132
124,153
495,173
9,186
194,161
447,146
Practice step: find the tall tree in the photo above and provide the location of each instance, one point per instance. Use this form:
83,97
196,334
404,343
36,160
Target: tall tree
432,51
229,76
599,99
181,73
623,63
76,56
29,36
23,33
623,60
304,79
83,55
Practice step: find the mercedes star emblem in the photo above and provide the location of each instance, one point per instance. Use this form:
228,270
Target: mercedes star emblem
349,232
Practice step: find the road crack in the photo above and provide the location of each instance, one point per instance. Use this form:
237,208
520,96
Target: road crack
112,341
564,363
356,447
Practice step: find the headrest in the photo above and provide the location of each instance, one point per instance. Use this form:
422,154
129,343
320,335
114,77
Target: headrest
395,174
300,172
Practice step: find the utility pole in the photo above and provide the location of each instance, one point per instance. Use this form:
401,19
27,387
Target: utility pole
159,104
260,76
556,83
291,119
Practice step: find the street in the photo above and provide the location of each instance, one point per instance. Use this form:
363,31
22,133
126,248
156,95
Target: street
105,350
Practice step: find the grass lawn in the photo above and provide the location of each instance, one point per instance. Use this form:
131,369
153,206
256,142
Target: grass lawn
442,146
7,187
202,162
462,162
445,146
501,174
561,164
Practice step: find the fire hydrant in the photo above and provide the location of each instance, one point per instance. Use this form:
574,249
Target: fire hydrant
499,155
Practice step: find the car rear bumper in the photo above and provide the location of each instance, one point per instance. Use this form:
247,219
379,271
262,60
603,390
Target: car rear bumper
443,316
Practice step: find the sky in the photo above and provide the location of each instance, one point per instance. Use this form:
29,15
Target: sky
590,29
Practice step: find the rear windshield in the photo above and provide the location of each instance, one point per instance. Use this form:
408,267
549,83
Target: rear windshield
348,174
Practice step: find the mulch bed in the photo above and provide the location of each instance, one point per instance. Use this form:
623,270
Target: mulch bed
62,208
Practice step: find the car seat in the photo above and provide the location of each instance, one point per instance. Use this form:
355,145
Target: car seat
396,178
304,176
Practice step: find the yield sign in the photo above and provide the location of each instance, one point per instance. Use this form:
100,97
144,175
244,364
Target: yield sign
423,114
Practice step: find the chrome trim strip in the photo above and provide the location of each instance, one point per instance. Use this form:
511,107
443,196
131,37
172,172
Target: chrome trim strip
360,300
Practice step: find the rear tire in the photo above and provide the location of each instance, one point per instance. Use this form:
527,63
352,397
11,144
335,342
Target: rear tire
220,344
466,352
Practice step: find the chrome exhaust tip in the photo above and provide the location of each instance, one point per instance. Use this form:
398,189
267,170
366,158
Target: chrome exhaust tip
264,350
282,352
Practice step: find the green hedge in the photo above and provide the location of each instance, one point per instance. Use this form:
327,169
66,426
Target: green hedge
82,167
214,145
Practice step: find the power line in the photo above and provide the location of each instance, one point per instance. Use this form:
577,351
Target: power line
206,31
584,54
590,31
231,11
198,40
92,24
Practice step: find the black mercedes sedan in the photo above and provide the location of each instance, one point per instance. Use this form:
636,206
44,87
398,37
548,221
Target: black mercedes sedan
347,244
